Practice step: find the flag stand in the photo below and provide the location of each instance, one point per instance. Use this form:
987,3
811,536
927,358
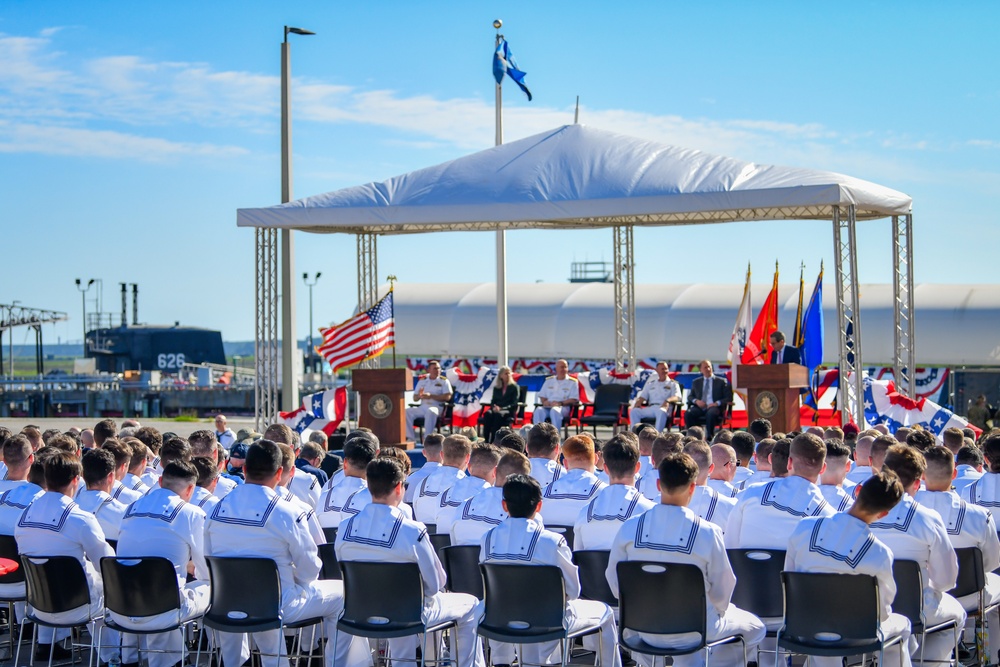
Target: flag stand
392,285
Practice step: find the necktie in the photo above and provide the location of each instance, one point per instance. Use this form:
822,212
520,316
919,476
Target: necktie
708,390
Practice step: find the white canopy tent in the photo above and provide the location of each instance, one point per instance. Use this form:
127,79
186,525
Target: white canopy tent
580,177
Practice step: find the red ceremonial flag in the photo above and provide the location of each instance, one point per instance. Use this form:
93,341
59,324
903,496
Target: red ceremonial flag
758,349
364,336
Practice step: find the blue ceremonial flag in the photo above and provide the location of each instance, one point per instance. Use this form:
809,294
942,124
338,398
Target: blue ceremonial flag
504,63
812,333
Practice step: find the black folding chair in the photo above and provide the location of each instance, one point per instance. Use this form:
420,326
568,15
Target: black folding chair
845,623
54,584
610,407
909,602
758,586
972,581
386,601
330,568
439,541
594,585
461,564
330,534
643,588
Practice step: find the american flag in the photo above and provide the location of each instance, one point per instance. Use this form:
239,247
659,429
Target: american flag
364,336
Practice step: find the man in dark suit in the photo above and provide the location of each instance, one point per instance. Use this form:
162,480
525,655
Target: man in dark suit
781,353
708,400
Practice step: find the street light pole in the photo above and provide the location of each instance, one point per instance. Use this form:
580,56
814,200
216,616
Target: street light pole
310,285
83,295
289,346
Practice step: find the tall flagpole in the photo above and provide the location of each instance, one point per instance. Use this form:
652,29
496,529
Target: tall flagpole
501,235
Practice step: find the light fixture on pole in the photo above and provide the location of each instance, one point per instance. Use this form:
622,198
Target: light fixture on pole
312,350
83,294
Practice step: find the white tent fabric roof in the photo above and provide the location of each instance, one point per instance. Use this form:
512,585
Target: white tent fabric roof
956,324
577,176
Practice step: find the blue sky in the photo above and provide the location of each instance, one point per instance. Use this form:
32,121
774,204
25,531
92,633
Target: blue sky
131,132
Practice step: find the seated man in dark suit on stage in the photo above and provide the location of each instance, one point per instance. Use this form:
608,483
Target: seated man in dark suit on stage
781,353
708,400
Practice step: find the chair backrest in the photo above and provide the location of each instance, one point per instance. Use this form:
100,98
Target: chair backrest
140,586
330,568
971,572
461,563
55,583
440,541
565,531
387,598
758,581
522,403
841,605
646,590
593,566
608,398
330,534
909,600
8,550
237,606
510,613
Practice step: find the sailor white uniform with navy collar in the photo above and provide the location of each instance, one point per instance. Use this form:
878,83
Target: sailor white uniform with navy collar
429,408
966,475
454,497
722,487
525,542
333,501
744,477
224,486
859,474
253,521
335,479
601,519
135,483
478,515
563,499
306,487
556,391
427,498
646,485
382,533
417,476
655,393
151,476
13,501
984,491
119,492
674,534
843,544
162,524
712,506
312,520
204,499
838,497
545,471
109,512
766,514
913,532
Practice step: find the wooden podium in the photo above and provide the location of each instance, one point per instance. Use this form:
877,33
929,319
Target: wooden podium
773,393
383,407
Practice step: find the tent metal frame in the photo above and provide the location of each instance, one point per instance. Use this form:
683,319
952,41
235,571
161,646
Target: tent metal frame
904,366
266,328
624,298
368,280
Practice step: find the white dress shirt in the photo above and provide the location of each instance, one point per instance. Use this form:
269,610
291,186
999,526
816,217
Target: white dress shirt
601,519
766,514
428,495
563,499
109,512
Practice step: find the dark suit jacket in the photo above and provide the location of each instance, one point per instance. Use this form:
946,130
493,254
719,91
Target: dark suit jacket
791,355
720,390
304,466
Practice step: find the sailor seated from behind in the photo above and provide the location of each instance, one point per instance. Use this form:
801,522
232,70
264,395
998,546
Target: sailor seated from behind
566,496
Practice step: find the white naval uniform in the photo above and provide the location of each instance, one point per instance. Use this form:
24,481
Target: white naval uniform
333,501
14,499
838,497
151,477
429,408
843,544
427,497
204,499
525,542
969,525
563,499
859,474
312,521
556,391
723,488
646,485
253,521
109,512
306,487
453,498
674,534
382,533
545,471
224,486
417,476
655,392
135,483
478,515
601,519
162,524
712,506
766,514
913,532
744,477
984,491
966,475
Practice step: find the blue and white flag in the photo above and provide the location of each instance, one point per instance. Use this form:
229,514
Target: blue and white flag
884,405
504,63
812,334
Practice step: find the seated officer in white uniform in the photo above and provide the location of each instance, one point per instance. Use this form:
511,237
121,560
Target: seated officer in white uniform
707,503
432,454
252,521
985,491
166,524
306,487
671,533
661,446
542,447
766,514
917,533
54,525
203,443
843,543
99,475
521,540
208,476
968,526
137,466
383,533
432,391
482,475
480,513
658,398
565,497
833,482
601,518
724,464
455,454
358,453
556,398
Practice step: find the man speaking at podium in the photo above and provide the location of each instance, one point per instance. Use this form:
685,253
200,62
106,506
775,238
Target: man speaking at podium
781,353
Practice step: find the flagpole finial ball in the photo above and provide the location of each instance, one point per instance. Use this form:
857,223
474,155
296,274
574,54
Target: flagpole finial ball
498,24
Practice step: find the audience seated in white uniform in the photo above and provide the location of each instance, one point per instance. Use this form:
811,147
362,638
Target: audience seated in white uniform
723,471
969,468
305,487
646,435
288,472
99,476
707,503
743,444
335,505
208,476
383,533
455,453
432,453
671,533
16,493
482,475
153,440
762,459
833,481
661,445
521,540
542,447
917,533
843,543
766,514
659,397
136,467
123,457
555,400
432,392
862,469
483,511
252,521
985,491
566,496
601,518
203,443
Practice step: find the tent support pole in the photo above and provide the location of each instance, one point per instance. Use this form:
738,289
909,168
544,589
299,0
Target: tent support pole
850,395
368,280
266,328
904,358
624,298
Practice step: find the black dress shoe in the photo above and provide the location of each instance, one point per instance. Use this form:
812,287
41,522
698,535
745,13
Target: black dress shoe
58,652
